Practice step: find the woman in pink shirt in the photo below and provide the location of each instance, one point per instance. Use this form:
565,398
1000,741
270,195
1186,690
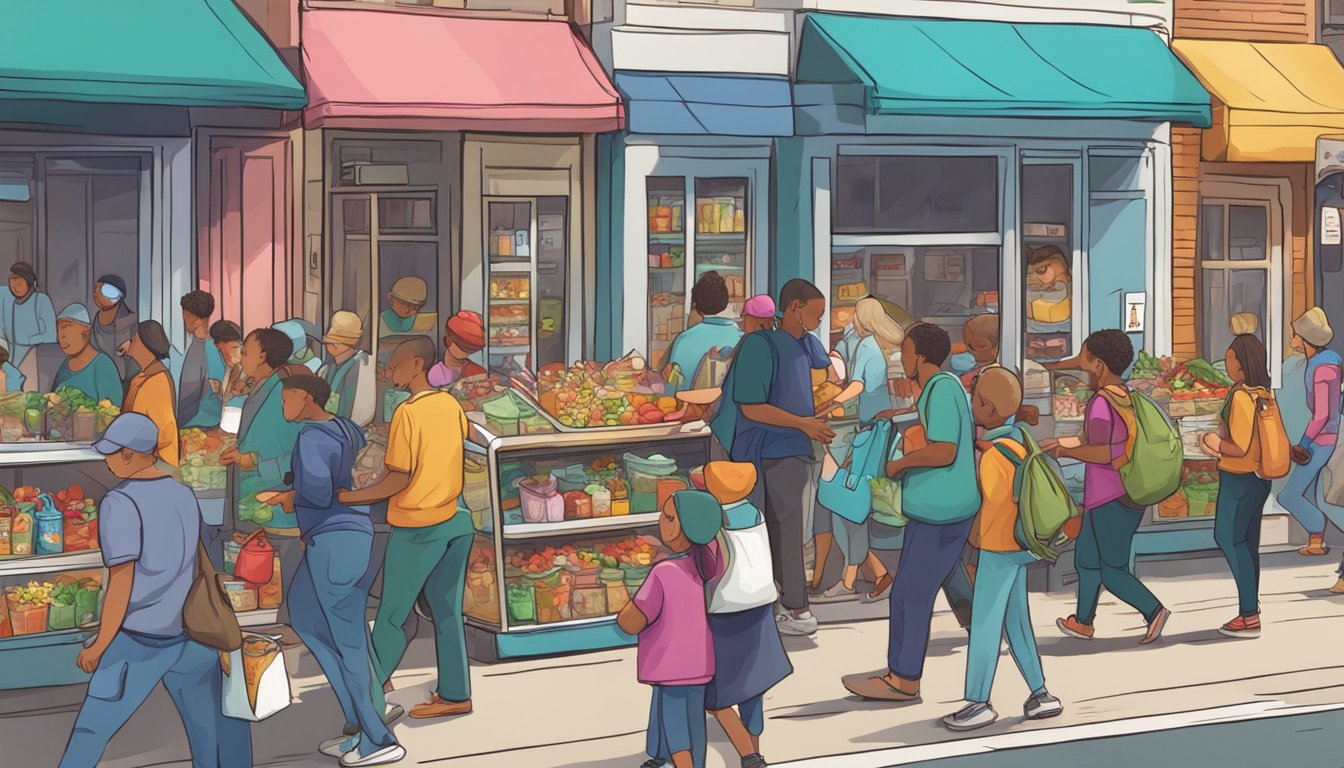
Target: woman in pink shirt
669,615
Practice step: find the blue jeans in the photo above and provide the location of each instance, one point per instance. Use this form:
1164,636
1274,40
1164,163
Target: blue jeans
752,712
130,669
1301,495
1000,608
1236,531
927,557
677,723
1102,556
326,605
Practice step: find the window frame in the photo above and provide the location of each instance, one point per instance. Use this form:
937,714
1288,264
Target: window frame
1275,195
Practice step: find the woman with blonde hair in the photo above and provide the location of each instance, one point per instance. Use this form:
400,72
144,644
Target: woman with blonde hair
860,350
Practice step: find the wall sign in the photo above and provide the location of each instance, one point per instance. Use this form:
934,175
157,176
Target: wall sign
1330,226
1132,315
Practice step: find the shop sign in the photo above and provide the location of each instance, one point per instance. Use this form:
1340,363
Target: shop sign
1330,226
1134,310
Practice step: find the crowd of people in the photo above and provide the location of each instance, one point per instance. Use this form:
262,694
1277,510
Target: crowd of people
784,414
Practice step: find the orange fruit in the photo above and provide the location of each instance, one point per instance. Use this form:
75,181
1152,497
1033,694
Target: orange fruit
667,404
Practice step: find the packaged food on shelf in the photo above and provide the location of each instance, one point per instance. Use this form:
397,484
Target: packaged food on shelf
21,529
62,611
510,288
621,393
5,629
613,583
242,596
50,530
644,474
541,501
1070,397
481,596
551,590
202,468
578,505
271,594
28,606
1199,484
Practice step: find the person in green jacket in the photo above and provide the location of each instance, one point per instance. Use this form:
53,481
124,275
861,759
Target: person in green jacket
265,447
85,368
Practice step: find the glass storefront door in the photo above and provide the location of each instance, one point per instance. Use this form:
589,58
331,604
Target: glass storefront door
527,285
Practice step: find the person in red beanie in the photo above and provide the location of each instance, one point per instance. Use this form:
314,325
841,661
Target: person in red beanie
463,335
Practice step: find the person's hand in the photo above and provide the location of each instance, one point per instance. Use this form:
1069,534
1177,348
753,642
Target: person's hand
124,349
904,387
1211,444
817,430
1299,454
229,457
343,494
281,499
1029,414
1049,444
382,374
825,408
89,657
895,469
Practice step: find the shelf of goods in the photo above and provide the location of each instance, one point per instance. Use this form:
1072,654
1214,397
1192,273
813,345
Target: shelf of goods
51,571
566,517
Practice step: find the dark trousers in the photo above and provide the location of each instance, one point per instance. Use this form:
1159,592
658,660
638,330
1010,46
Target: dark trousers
1236,531
1102,558
784,490
927,557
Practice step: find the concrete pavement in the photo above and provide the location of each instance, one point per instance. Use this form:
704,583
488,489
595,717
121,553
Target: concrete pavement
587,710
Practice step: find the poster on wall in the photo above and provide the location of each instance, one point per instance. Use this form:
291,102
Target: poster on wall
1330,226
1134,309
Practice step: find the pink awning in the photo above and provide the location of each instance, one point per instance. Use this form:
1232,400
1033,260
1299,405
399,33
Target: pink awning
384,69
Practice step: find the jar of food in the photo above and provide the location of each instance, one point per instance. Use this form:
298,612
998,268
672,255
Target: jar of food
21,530
613,583
50,530
6,527
482,599
551,589
578,505
270,594
601,500
589,601
522,601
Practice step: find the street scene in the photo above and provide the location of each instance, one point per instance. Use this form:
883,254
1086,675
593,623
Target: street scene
671,383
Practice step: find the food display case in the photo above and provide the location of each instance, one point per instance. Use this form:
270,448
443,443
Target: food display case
51,574
527,269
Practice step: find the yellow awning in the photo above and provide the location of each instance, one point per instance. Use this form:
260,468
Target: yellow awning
1273,100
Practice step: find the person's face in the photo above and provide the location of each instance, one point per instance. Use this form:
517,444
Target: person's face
231,351
403,308
403,369
808,314
909,361
455,350
72,337
252,358
981,409
99,300
18,286
193,323
136,350
1298,344
669,529
1091,364
336,349
985,351
293,402
1234,370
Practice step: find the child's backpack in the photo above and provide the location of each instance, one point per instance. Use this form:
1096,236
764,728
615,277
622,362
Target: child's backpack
1150,467
1275,452
1044,504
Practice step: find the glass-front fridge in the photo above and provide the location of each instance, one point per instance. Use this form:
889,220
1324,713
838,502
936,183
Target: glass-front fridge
527,286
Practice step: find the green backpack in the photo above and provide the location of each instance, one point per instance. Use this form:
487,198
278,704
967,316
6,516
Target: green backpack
1150,468
1044,503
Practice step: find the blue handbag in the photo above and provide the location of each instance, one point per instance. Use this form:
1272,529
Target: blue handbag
849,494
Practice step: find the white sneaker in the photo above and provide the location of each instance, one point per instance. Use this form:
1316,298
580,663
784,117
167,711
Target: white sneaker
970,717
338,746
1042,706
392,754
802,625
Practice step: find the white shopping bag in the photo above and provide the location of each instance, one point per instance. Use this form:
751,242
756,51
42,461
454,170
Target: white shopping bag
748,578
266,664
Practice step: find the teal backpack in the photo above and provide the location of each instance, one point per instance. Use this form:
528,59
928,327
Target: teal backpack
1044,504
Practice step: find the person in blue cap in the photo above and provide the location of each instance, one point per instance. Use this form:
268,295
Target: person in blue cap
85,368
115,323
149,535
300,332
669,615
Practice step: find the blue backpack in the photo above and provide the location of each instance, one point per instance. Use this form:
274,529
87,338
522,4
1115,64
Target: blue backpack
850,494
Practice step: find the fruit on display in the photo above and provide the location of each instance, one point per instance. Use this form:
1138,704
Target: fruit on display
637,551
633,551
33,593
621,393
474,391
201,451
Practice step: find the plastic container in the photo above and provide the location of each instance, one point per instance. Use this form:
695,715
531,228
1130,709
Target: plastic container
241,596
613,583
482,599
21,531
476,484
50,530
26,619
520,596
541,502
572,478
502,415
231,549
578,505
644,474
601,501
589,601
551,590
6,530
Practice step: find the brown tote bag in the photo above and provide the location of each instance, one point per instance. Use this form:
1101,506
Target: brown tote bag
207,615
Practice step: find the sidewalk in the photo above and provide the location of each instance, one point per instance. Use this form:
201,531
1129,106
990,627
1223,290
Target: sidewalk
587,710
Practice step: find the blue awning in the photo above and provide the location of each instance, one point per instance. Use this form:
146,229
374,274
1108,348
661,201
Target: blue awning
706,105
946,68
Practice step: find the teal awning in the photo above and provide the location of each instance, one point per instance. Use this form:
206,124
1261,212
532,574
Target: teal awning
944,68
183,53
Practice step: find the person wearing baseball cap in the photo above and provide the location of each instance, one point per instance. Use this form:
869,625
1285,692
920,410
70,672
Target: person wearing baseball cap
84,368
349,370
758,314
149,541
405,300
463,336
114,324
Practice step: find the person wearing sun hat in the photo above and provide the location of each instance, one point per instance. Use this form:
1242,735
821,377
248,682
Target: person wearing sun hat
749,657
349,370
675,653
1311,336
463,336
84,368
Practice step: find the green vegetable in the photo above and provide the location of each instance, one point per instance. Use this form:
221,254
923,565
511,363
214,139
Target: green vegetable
64,594
1204,371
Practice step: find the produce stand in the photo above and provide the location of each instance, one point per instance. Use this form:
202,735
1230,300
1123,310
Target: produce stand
42,629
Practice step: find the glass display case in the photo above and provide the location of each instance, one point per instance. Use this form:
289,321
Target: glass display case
566,530
1048,242
51,574
527,265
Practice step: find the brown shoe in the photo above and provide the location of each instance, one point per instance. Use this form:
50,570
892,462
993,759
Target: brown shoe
1315,546
1075,628
439,707
1338,589
879,688
1156,626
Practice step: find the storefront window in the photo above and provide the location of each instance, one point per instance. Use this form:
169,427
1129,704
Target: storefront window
527,256
1234,269
721,234
1048,248
942,285
915,194
667,263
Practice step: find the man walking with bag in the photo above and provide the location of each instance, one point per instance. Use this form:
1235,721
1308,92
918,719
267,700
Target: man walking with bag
431,537
151,531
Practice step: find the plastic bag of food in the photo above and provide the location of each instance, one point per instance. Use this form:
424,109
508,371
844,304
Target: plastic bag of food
256,683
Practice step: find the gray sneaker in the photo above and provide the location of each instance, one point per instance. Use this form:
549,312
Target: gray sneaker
970,717
1042,706
803,625
754,761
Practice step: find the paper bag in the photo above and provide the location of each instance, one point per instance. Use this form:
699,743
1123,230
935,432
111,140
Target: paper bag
256,683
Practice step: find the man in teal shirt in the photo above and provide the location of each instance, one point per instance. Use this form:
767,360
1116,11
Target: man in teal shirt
709,299
85,368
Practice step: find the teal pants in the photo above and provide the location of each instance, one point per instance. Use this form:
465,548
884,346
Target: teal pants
1236,531
1102,556
999,609
432,560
